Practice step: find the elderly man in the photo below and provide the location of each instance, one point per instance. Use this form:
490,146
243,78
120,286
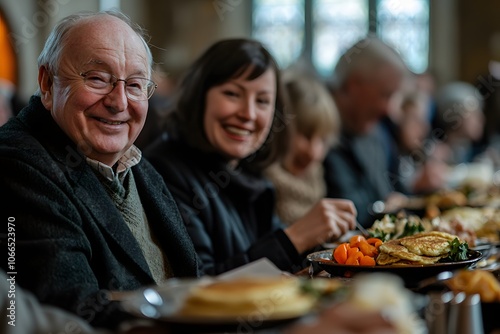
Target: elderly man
86,214
365,78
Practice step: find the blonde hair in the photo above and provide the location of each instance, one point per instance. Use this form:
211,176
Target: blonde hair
312,107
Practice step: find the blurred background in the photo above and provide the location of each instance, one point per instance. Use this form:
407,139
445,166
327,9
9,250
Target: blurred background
450,39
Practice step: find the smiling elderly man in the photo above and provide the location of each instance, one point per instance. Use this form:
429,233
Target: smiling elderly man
89,214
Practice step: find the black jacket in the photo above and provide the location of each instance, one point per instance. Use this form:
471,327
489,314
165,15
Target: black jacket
71,243
229,214
356,169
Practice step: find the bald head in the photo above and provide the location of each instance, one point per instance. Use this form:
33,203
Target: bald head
366,57
100,24
365,79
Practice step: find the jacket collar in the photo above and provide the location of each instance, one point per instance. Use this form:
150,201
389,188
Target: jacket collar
242,183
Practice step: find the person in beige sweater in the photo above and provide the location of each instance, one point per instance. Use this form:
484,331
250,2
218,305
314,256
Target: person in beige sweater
314,126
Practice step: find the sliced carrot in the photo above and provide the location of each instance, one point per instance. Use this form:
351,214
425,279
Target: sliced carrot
351,251
367,249
355,240
340,253
375,242
354,259
367,261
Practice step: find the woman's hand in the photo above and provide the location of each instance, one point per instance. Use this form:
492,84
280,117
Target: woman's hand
329,218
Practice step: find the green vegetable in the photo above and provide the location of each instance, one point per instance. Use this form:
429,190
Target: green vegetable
458,251
411,229
378,233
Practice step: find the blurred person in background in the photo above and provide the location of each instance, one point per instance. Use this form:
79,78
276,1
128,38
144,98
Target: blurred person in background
364,80
314,126
222,134
159,105
460,118
7,90
407,133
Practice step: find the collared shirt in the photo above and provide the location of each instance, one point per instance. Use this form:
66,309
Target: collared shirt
131,158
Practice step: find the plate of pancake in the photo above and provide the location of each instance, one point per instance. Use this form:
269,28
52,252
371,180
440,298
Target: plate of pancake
213,305
413,258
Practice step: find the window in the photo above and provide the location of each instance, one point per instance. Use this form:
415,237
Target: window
280,25
321,30
405,26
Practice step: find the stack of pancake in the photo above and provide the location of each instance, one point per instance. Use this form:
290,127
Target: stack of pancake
267,298
421,248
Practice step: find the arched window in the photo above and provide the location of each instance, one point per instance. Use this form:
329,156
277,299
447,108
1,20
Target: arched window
321,30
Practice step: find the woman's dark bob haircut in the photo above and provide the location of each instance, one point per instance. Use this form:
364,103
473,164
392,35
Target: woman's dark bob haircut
223,61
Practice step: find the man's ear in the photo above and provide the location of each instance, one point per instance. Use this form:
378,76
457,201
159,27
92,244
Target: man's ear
45,83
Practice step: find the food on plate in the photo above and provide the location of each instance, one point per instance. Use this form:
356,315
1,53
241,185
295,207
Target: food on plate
483,222
398,226
422,248
481,282
267,297
445,199
386,293
417,249
402,225
358,251
471,218
490,231
482,196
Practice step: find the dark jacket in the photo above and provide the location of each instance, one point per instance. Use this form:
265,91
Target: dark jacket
356,169
229,214
71,243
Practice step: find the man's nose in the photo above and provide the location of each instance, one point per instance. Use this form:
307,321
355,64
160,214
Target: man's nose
117,99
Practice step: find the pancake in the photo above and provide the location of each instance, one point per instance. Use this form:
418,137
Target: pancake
264,297
421,248
395,249
426,245
384,259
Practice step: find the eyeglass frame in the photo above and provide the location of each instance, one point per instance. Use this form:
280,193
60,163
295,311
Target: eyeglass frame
114,81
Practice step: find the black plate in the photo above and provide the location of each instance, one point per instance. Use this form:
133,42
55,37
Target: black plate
411,274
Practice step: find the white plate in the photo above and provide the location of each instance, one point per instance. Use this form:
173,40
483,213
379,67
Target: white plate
162,303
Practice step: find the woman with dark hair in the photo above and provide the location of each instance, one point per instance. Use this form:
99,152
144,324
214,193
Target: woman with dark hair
221,135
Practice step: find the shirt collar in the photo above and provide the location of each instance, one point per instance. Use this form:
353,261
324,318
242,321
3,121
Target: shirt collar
131,158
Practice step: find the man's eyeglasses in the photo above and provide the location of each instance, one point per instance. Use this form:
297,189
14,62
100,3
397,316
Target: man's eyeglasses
136,88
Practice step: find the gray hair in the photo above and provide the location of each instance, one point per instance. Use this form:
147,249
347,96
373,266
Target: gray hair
456,99
51,53
365,56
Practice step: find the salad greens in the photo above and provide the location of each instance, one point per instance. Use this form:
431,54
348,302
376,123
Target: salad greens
393,227
458,251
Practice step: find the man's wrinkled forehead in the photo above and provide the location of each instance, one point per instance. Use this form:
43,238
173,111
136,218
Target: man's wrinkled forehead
108,36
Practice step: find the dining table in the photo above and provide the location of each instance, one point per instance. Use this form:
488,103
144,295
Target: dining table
441,309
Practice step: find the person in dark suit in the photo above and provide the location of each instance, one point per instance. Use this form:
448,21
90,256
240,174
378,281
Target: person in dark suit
222,134
90,215
364,81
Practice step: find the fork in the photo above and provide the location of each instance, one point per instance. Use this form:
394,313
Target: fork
363,230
